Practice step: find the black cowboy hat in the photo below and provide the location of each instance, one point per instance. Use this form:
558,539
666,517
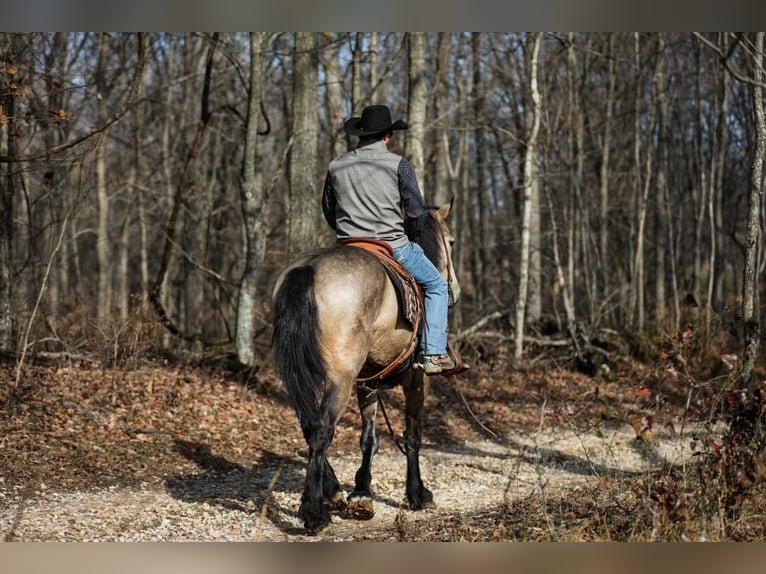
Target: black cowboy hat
375,120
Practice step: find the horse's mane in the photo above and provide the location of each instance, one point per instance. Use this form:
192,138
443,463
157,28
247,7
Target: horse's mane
430,239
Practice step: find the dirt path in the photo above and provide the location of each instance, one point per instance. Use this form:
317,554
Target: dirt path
259,502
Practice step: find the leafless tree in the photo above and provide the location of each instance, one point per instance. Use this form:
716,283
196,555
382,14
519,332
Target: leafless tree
533,123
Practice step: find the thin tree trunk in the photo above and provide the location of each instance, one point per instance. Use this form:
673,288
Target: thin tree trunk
576,151
56,78
575,141
439,192
702,184
660,304
416,105
373,52
715,286
334,97
482,237
356,81
303,207
169,152
534,308
563,286
251,195
533,122
123,273
604,173
103,246
752,328
7,193
638,263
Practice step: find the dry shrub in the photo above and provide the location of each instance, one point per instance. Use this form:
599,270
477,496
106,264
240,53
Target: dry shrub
722,495
116,342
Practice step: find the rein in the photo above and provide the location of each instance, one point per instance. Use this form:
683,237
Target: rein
395,438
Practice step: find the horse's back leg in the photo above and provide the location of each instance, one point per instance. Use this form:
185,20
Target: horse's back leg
360,500
415,386
322,489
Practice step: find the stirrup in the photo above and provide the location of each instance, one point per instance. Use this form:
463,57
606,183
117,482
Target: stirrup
437,364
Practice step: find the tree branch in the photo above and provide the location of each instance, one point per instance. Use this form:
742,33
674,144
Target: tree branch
116,116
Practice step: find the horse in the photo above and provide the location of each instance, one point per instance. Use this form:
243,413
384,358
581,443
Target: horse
336,322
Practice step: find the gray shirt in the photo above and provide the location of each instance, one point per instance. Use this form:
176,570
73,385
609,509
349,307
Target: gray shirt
369,191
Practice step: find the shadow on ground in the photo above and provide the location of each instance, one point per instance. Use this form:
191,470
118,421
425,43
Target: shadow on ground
231,485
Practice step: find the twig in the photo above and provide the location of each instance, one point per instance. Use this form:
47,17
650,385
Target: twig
462,396
25,344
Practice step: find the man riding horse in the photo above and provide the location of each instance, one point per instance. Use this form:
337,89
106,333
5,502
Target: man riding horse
371,192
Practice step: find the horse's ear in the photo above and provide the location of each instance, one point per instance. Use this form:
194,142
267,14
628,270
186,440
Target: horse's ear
444,210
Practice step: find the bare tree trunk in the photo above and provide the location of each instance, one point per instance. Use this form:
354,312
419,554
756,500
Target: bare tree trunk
604,173
482,193
533,125
715,287
356,81
750,315
103,246
133,191
416,104
643,196
702,185
575,141
334,97
439,193
457,179
373,51
251,195
7,193
56,77
581,219
534,308
660,304
303,207
563,285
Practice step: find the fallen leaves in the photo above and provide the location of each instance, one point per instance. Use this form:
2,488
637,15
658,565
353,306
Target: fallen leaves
89,426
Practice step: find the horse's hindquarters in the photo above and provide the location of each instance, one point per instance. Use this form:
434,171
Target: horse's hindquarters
359,325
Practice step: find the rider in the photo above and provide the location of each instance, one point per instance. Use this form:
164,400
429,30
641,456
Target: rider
367,193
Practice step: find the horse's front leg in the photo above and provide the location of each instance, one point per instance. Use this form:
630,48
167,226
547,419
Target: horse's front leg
415,386
360,500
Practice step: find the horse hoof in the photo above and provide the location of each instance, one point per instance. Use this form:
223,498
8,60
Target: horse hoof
337,503
314,521
360,507
422,502
316,527
316,530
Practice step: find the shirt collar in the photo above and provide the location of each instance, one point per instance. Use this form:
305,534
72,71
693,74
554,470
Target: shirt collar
375,146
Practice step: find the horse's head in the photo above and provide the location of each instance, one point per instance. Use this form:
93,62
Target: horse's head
436,241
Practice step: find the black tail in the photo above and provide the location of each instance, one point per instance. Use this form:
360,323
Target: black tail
294,343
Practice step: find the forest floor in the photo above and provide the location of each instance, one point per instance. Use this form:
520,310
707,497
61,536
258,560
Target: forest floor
178,452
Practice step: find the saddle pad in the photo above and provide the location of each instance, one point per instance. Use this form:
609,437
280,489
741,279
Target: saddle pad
409,293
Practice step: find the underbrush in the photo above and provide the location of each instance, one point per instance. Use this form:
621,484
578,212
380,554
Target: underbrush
718,496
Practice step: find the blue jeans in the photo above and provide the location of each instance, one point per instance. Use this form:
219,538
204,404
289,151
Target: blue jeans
434,331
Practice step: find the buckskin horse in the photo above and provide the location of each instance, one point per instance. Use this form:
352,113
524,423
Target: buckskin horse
340,326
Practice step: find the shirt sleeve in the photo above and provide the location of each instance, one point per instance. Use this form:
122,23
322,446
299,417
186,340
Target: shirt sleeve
328,202
415,210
